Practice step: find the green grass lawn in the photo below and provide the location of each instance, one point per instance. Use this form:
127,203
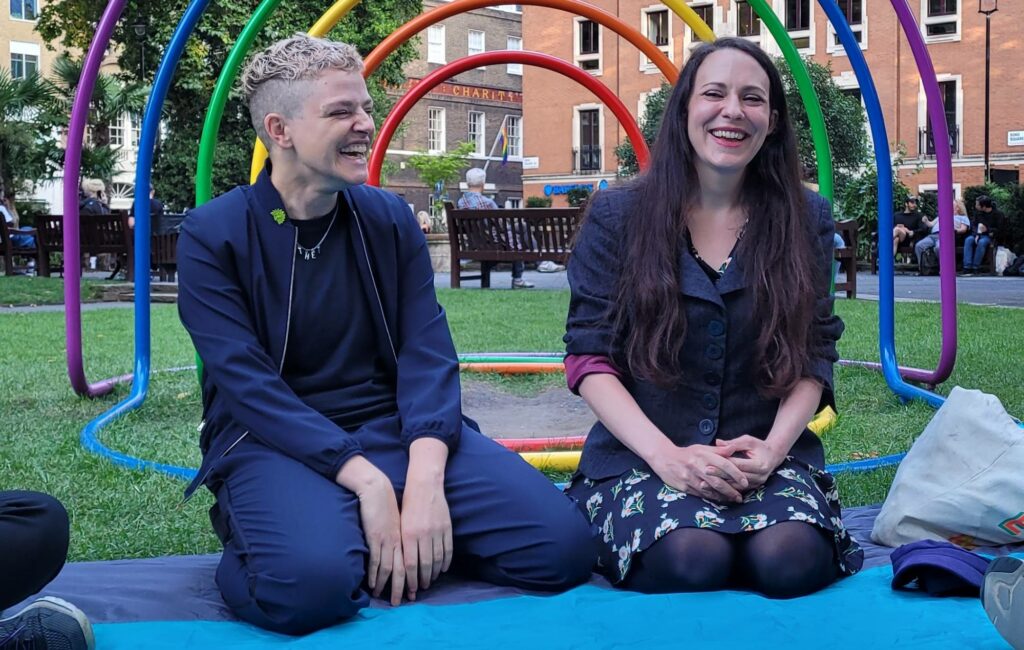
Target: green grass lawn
18,290
118,513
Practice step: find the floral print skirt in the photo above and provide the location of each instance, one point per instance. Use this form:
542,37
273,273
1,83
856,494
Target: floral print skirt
636,509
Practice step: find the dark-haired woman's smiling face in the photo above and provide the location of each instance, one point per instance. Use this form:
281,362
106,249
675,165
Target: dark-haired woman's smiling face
729,111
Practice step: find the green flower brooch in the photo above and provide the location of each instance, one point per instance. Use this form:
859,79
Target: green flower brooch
278,215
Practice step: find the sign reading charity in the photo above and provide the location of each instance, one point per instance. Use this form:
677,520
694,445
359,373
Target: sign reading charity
499,95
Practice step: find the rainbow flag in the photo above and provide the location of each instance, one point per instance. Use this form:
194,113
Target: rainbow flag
504,144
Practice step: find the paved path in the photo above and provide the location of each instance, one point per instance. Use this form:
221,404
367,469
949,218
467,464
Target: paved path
977,290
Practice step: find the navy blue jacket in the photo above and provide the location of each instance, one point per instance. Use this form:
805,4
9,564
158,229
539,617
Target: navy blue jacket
236,271
716,396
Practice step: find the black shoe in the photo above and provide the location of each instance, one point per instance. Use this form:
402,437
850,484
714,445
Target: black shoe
1003,597
47,623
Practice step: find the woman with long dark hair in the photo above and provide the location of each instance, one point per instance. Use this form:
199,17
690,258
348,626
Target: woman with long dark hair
701,334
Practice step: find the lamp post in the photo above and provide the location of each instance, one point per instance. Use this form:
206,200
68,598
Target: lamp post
141,26
987,7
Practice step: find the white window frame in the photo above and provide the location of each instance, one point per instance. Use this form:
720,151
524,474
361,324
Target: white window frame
18,48
513,202
481,137
116,132
733,23
641,104
435,50
927,20
515,136
809,33
837,49
922,111
515,44
135,130
932,187
470,50
579,58
436,113
22,18
512,9
600,130
646,65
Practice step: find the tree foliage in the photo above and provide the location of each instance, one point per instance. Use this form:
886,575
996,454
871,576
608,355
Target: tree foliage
28,149
438,170
857,198
73,22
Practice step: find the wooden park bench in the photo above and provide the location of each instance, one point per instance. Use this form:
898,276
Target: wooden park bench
99,234
847,257
520,235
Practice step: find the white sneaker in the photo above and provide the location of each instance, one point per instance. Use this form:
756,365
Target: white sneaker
1003,597
547,266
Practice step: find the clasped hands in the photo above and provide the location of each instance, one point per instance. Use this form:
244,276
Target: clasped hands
411,547
721,472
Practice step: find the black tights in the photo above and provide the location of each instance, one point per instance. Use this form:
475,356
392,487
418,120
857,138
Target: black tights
786,560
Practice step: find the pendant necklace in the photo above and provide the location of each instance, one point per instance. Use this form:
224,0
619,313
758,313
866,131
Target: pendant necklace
312,253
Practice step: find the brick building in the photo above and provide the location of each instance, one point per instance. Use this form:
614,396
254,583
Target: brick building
953,29
472,106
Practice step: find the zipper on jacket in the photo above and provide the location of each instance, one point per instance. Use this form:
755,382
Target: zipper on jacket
373,280
280,366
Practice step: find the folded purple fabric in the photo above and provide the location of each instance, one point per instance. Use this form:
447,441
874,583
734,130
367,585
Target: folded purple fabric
578,366
938,568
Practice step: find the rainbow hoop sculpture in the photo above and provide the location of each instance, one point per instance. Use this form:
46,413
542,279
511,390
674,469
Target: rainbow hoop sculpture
894,375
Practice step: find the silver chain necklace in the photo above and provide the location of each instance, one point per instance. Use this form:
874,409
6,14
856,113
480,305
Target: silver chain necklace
312,253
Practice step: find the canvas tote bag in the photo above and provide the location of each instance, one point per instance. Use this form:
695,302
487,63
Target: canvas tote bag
962,480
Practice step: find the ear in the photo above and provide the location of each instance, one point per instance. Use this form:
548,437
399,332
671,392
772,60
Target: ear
276,126
773,122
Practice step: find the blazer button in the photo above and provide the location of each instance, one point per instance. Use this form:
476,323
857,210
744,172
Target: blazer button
710,401
707,427
714,351
712,378
716,328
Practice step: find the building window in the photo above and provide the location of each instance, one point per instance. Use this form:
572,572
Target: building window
24,9
941,19
435,44
588,158
116,132
136,121
476,42
514,130
23,65
435,129
747,22
707,13
852,92
515,44
476,132
513,203
657,27
798,22
948,93
853,10
588,45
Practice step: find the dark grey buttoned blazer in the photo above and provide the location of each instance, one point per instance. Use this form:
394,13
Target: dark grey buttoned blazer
717,396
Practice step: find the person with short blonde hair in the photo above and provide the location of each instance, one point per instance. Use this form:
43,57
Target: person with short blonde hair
333,438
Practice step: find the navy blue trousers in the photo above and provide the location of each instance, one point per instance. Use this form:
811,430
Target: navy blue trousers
295,558
33,543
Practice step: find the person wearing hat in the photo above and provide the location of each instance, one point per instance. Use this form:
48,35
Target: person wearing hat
906,224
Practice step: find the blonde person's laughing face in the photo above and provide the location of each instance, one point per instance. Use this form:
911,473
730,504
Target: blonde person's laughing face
729,113
332,133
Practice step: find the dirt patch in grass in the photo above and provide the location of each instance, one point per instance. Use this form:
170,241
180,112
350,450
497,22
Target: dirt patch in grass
551,413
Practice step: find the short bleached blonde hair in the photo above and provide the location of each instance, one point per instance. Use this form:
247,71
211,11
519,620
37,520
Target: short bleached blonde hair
271,79
959,207
92,187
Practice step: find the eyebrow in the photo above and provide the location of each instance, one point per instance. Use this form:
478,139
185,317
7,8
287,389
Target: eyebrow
345,103
745,89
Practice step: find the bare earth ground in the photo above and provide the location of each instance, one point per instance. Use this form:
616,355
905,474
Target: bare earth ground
551,413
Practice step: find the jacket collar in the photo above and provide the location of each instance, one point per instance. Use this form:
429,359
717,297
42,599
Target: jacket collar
276,235
695,283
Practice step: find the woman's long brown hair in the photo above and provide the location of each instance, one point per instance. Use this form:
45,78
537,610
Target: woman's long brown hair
777,248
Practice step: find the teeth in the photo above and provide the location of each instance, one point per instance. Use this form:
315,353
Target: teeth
729,135
359,149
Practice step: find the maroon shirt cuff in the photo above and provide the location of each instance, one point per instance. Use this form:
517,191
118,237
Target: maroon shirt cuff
578,366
